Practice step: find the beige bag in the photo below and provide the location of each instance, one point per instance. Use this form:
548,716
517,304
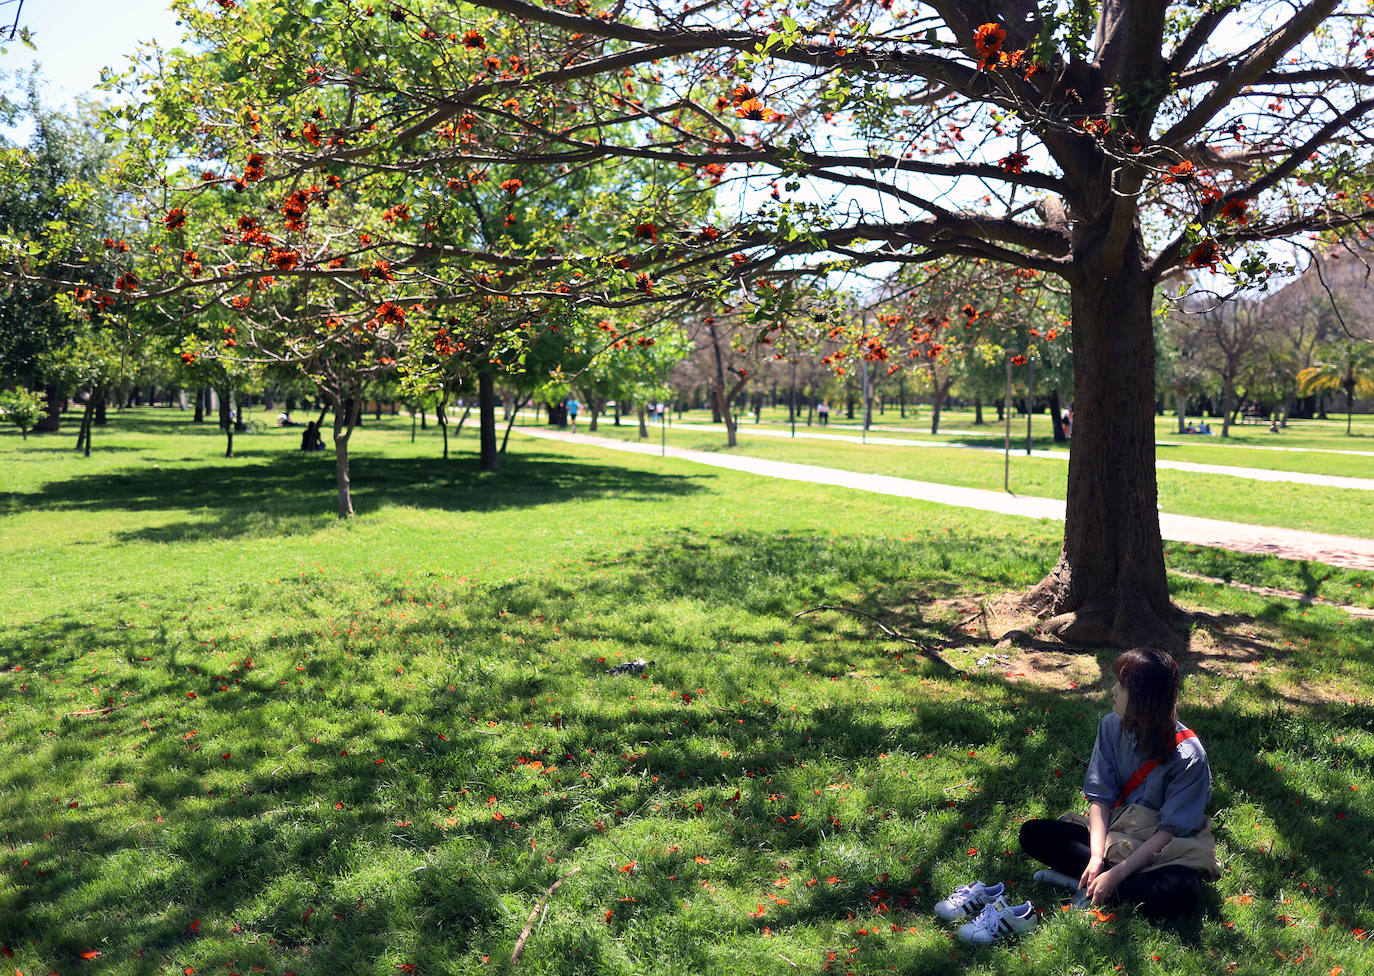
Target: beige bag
1134,824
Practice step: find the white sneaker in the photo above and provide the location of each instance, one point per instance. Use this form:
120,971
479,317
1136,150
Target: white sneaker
999,922
968,900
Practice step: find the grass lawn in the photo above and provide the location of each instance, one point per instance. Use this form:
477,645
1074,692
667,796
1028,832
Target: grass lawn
1311,446
1342,511
241,736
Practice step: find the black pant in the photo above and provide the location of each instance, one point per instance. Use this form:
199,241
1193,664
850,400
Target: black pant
1064,846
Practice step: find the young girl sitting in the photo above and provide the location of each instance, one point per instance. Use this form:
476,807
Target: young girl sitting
1147,837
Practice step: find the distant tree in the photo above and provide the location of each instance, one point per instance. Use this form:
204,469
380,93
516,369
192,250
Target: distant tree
55,210
1347,368
22,408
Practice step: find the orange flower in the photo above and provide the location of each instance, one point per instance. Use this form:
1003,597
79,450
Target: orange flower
755,111
1235,210
987,40
1014,163
511,186
175,218
1206,254
475,40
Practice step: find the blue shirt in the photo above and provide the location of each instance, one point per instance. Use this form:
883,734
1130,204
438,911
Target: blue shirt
1178,788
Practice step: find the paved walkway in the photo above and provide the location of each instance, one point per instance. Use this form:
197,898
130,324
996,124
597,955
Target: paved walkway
1336,550
1255,474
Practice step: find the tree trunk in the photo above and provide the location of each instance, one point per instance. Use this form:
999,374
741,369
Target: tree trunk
83,436
486,417
514,414
1349,411
440,415
1109,586
51,420
977,411
226,420
1181,403
346,411
1056,421
467,409
939,399
1228,399
723,411
642,414
595,406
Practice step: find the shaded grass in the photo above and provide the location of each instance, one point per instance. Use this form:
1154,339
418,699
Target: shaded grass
231,811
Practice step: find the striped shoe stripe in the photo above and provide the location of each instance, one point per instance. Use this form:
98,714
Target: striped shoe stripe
972,907
1004,928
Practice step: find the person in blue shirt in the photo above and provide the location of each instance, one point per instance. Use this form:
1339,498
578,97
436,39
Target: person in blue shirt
1147,837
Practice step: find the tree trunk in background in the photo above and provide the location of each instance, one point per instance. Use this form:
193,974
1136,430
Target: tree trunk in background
226,420
643,426
978,411
1056,421
51,421
486,417
346,411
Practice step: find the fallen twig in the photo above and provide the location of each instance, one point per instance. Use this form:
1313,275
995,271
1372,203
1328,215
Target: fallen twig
534,913
89,712
889,631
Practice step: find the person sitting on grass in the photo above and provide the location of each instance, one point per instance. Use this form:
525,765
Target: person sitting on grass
1147,838
310,438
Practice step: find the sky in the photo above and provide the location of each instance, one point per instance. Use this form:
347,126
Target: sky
76,38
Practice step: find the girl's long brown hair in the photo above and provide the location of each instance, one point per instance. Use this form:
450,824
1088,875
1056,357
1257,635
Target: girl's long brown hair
1151,680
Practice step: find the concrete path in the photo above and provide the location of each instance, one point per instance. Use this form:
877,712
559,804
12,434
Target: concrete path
1255,474
1335,550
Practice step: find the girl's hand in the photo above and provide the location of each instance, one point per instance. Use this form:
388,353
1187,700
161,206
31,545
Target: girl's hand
1091,873
1103,886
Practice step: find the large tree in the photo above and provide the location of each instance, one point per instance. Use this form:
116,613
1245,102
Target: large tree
1146,137
1108,144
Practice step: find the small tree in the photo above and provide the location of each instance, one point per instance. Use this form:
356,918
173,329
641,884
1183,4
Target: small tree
22,408
1348,369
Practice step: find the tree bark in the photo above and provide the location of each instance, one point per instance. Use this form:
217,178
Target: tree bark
486,416
1109,586
226,420
346,412
514,414
940,390
1228,399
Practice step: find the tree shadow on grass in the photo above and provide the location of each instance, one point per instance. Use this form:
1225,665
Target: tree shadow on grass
275,853
291,494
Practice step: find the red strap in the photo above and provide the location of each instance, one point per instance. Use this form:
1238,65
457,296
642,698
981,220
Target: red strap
1141,774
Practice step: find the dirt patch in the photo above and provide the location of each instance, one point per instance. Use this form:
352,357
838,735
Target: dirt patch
1005,639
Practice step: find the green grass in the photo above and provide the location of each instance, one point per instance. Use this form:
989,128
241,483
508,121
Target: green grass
314,725
1343,511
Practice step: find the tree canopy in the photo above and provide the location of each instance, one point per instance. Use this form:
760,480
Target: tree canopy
398,162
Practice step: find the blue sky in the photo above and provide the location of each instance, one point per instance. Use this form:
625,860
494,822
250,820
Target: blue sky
76,38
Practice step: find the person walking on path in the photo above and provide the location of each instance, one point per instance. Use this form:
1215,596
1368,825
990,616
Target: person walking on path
1147,839
573,407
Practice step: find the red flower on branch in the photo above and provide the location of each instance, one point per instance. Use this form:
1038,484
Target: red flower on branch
474,40
1206,254
511,186
1014,163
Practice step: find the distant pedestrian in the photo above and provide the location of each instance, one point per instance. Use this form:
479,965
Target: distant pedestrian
573,407
823,412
